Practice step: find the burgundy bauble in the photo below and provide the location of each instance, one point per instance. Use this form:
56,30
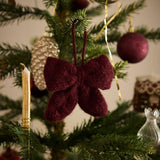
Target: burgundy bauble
35,92
10,154
79,4
132,47
11,2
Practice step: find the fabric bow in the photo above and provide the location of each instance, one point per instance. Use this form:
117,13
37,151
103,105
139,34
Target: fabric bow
74,84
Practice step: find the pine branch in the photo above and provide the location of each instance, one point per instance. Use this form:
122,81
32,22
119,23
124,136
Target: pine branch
62,33
94,52
13,106
113,147
121,17
99,126
103,1
12,132
119,122
40,105
83,132
9,13
49,3
6,49
95,11
119,67
114,36
7,103
151,34
8,65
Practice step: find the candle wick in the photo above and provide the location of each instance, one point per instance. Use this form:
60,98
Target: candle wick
22,65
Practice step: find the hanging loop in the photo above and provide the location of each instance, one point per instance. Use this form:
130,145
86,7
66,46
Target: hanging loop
74,43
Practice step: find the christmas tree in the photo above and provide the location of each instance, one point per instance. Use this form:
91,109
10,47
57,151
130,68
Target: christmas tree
70,48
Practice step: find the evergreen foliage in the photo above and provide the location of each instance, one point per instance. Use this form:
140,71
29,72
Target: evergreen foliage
8,55
10,13
111,137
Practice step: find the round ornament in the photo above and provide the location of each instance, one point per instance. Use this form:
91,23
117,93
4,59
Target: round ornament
132,47
45,47
112,1
11,2
10,154
79,4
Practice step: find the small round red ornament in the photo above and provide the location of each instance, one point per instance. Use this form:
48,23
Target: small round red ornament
11,2
79,4
112,1
10,154
132,47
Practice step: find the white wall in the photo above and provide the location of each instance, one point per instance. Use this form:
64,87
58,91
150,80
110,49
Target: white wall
25,31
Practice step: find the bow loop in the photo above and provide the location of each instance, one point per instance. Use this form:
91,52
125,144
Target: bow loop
92,102
61,104
99,72
59,74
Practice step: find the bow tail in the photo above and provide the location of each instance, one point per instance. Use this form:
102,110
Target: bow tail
61,104
92,101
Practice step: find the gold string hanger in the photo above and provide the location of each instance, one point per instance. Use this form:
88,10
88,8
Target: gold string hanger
110,54
53,14
131,28
54,9
110,20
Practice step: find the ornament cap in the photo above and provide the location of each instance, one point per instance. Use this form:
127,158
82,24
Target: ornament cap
131,30
46,34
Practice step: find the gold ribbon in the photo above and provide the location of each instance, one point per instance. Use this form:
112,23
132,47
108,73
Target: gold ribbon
54,9
131,28
110,54
110,20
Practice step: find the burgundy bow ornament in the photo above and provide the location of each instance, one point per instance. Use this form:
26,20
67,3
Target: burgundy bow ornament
74,84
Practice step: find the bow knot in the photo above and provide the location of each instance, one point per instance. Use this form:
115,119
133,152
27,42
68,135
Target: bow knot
80,76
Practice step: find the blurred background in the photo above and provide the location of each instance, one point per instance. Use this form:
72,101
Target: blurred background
24,32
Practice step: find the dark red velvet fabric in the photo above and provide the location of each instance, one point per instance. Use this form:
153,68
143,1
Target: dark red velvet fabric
72,85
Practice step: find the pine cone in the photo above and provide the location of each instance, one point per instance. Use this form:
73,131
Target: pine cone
43,48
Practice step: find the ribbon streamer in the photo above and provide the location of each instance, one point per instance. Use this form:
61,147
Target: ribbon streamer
110,54
112,62
110,20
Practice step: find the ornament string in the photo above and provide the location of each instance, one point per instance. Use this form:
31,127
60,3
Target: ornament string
74,43
112,62
54,9
110,20
131,28
84,46
53,14
110,53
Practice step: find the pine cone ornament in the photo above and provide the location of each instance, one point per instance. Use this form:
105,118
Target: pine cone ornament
45,47
79,4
